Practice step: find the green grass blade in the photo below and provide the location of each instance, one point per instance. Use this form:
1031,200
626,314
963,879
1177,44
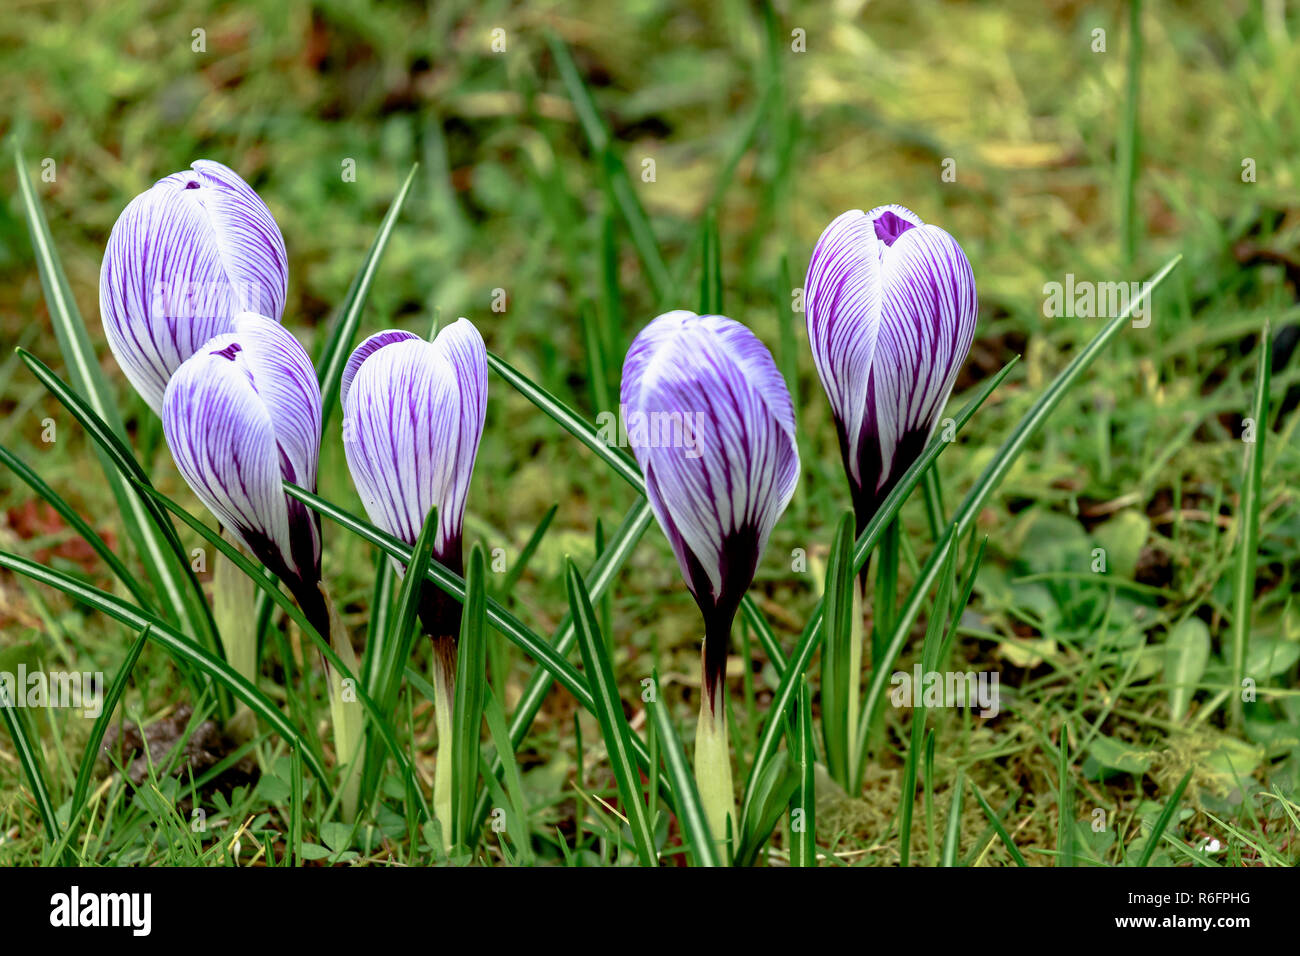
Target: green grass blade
176,644
711,273
334,353
500,732
996,823
381,613
1162,821
467,708
803,833
614,173
90,754
934,635
686,798
609,712
952,833
77,524
617,552
838,627
520,564
396,643
32,760
988,480
1248,547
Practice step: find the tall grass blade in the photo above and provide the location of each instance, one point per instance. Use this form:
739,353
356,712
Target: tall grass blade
467,708
609,712
338,346
686,798
1248,538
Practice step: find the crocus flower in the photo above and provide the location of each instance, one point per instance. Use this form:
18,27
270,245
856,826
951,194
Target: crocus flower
712,426
413,415
241,416
891,309
184,259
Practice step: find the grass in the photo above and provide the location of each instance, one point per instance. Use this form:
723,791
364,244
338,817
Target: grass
530,179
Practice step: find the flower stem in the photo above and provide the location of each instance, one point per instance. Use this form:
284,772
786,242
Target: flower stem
444,686
713,759
345,712
234,594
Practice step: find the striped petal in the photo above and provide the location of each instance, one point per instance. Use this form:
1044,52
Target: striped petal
241,416
712,426
412,419
183,260
891,309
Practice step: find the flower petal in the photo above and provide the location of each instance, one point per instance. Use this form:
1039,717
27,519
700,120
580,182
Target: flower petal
182,260
842,302
364,351
412,419
236,420
712,426
927,326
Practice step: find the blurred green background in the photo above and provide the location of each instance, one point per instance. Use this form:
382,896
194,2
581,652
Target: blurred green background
1067,151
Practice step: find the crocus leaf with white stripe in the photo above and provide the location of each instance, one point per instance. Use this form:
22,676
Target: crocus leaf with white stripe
241,416
891,308
184,259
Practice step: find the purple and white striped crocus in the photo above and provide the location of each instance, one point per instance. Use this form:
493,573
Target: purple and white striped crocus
241,416
891,310
413,415
711,424
183,260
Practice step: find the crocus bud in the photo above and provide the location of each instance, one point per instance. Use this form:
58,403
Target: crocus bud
241,416
184,259
891,310
711,423
413,415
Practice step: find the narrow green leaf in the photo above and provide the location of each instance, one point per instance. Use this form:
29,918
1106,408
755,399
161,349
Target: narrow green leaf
500,731
467,708
90,754
32,760
1162,822
1248,539
803,807
1187,651
78,524
952,835
609,712
615,176
334,353
686,798
996,823
837,674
